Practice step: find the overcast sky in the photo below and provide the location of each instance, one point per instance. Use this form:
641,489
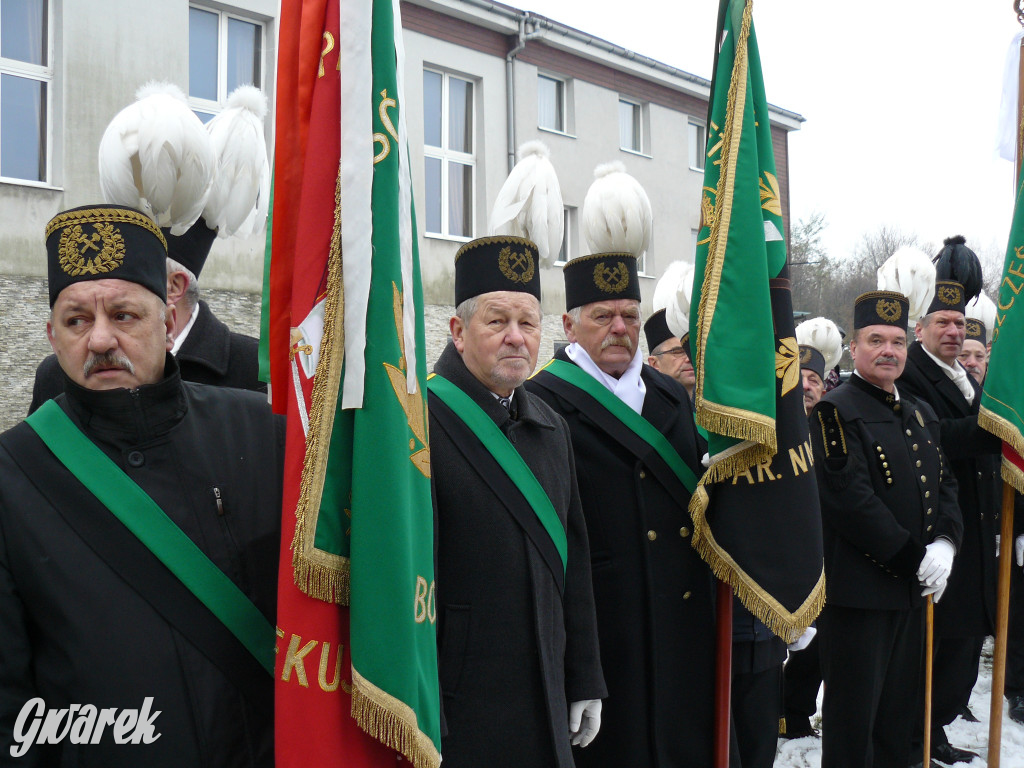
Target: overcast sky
901,99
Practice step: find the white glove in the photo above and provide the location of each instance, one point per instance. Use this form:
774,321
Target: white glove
584,721
803,641
999,541
936,565
1018,546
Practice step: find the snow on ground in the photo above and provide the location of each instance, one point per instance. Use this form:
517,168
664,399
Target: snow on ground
806,753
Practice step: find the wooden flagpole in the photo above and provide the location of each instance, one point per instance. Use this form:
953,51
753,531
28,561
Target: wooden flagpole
995,723
723,674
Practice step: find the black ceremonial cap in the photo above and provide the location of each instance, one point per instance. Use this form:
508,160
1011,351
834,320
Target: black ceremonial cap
684,340
96,242
191,249
812,360
656,330
496,263
881,308
600,277
948,295
975,330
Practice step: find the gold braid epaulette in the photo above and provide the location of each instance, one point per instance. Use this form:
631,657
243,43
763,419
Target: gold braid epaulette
105,216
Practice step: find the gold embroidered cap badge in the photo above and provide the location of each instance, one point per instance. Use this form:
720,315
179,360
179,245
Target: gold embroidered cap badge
949,295
90,253
613,279
516,266
889,310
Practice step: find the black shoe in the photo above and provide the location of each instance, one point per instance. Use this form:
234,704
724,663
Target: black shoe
967,715
799,731
1017,709
948,754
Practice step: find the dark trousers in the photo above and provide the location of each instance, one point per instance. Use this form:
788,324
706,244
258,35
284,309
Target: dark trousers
870,661
756,703
1015,639
802,680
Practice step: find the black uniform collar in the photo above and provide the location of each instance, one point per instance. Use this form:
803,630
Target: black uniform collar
451,365
886,398
129,416
208,343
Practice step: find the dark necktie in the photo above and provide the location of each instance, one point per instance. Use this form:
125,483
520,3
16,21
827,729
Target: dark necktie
506,402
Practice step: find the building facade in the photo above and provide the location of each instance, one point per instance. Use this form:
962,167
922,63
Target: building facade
482,78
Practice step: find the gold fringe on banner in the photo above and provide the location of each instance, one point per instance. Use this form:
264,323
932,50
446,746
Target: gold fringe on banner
323,575
788,626
392,722
1008,433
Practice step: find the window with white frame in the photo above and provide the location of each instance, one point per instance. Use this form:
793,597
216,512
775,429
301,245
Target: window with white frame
698,140
225,50
551,103
449,160
630,126
26,82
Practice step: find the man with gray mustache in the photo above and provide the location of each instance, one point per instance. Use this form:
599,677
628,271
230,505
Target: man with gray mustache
653,592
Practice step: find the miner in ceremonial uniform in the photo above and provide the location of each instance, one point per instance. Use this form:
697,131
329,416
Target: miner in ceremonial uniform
139,529
669,353
520,669
634,438
891,529
967,612
974,353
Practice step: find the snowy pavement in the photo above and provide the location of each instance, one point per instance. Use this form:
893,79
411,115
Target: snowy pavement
806,752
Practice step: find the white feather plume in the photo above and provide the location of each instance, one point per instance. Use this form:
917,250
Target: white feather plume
617,213
984,309
673,293
912,273
155,155
822,334
529,203
240,195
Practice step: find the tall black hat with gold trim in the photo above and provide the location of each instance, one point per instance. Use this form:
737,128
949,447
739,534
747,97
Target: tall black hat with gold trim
948,296
959,263
97,242
496,263
974,329
600,277
812,360
881,308
656,330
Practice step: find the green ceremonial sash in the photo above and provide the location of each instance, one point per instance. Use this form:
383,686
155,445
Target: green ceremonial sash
508,458
150,524
573,374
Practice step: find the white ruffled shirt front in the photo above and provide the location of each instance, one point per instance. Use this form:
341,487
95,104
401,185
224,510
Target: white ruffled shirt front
629,387
180,338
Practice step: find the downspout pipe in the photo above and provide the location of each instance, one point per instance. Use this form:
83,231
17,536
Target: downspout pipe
522,38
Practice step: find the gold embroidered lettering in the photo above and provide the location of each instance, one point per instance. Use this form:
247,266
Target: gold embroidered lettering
798,459
421,600
328,47
745,473
325,654
764,468
296,659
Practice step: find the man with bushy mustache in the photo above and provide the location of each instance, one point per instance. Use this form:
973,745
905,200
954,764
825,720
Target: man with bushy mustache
139,530
653,592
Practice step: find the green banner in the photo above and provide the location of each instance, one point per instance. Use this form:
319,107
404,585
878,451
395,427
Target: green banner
740,246
1002,399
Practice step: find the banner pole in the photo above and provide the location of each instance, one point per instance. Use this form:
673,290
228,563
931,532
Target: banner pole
929,646
995,724
723,674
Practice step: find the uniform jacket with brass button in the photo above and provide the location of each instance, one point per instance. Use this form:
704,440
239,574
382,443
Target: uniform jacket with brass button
653,591
886,492
968,606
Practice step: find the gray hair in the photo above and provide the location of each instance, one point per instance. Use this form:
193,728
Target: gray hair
466,309
191,296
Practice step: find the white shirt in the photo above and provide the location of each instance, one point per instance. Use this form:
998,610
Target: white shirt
957,374
180,338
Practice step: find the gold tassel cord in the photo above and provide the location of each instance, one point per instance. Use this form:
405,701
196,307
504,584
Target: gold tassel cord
323,575
392,722
786,625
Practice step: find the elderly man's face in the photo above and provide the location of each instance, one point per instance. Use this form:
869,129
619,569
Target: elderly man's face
974,357
879,353
109,334
813,388
670,358
942,333
499,343
609,331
